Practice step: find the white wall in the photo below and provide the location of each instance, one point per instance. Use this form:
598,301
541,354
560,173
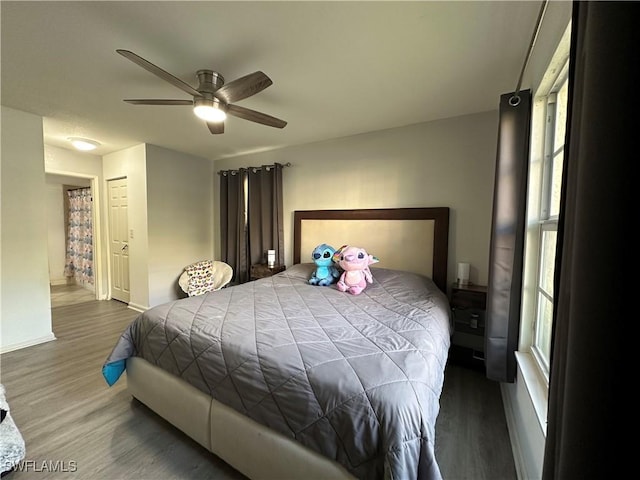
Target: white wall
24,275
56,234
446,163
131,163
525,430
180,217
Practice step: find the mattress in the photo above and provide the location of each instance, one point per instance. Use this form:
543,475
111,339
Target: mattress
356,378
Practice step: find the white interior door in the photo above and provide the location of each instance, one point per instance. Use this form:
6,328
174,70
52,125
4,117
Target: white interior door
118,239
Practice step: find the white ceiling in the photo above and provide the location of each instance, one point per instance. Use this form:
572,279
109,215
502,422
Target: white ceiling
338,68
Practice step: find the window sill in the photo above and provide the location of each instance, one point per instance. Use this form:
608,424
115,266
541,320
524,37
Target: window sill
536,385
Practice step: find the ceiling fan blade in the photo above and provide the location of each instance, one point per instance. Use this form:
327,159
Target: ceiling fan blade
215,128
243,87
138,60
254,116
153,101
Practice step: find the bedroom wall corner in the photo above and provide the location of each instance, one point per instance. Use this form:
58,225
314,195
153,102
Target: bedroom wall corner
25,309
179,217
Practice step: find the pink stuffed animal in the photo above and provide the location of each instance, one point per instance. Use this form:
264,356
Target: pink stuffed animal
355,263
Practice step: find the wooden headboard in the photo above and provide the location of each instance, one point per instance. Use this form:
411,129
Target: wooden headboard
412,239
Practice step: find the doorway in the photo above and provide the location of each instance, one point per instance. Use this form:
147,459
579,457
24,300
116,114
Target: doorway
64,288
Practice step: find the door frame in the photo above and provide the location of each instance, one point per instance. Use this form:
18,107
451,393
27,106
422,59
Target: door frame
98,259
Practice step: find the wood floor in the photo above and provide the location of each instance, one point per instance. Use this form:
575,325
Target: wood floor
76,427
70,295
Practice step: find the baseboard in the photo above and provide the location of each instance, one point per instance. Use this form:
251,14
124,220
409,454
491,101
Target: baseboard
57,281
137,308
30,343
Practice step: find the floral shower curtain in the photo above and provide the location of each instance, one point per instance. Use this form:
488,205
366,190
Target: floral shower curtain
79,258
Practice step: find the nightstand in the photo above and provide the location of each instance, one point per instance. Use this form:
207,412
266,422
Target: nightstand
262,270
469,305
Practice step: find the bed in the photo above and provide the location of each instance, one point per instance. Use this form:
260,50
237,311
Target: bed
285,380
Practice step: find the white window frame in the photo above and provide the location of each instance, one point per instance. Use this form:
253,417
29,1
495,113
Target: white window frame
534,366
542,358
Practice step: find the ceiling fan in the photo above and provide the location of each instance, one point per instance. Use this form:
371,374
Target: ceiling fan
212,100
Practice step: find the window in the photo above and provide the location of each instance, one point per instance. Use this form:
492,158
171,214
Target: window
548,128
554,137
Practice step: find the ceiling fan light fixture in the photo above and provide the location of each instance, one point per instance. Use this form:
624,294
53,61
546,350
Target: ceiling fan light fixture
213,98
83,144
209,110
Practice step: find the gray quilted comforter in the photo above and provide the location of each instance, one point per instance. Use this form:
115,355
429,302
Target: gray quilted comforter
355,377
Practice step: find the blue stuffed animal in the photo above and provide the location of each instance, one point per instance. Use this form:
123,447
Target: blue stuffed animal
325,273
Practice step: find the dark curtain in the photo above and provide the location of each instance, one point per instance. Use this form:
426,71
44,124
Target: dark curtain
251,217
266,227
507,237
233,237
586,404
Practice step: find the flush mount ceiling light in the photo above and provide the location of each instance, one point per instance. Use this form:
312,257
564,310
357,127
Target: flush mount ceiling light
209,109
83,144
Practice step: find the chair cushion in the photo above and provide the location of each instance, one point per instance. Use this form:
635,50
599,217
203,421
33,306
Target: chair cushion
205,276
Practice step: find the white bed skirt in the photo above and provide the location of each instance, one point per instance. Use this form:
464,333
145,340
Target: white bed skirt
251,448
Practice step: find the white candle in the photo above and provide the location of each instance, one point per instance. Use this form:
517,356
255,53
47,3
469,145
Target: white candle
271,258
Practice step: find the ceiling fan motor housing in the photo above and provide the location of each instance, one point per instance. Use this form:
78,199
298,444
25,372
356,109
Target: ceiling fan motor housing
209,81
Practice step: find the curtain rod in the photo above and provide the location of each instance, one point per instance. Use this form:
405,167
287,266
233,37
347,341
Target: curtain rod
233,172
515,99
